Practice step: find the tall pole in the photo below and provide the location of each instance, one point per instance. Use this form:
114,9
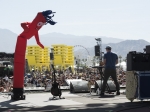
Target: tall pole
78,62
99,43
52,60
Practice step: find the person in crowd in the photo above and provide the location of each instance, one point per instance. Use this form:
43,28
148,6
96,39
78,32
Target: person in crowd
11,83
89,85
48,84
39,83
25,81
7,85
33,81
1,85
45,84
6,77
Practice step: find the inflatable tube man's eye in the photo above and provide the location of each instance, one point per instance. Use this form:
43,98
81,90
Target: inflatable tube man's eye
40,24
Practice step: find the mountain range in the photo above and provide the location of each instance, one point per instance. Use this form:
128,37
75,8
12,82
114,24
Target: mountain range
120,46
8,38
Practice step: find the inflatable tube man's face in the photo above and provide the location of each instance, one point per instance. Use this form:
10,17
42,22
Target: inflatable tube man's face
39,25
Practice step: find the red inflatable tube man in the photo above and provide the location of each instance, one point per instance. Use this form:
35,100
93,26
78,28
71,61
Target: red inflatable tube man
30,30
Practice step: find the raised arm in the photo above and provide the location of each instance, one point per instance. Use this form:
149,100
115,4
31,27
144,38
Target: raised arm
37,40
25,25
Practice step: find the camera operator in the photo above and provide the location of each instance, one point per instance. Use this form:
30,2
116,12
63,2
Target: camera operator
110,61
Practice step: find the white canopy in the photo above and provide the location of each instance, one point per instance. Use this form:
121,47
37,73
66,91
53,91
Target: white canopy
122,65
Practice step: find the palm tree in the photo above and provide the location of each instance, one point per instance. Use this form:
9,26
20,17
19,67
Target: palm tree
93,60
125,60
120,57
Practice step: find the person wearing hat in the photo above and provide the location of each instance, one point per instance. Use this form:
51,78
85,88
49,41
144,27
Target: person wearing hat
89,85
110,61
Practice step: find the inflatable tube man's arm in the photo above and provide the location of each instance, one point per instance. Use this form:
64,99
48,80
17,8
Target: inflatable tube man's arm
38,40
25,25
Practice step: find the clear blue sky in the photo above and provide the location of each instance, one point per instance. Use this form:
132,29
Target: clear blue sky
125,19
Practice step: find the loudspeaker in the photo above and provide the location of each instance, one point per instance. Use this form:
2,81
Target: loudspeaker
68,81
70,69
97,50
51,56
79,86
110,83
138,61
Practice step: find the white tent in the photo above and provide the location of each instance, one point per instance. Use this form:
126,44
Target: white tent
122,65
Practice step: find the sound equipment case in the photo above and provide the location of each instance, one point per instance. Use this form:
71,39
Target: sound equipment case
137,85
143,85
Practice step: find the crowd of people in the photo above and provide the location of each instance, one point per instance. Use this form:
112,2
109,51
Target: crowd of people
6,84
44,79
121,77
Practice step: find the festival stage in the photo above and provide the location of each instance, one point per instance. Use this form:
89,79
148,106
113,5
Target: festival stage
81,102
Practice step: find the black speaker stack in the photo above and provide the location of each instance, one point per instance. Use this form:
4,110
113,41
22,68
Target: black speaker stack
51,56
138,61
97,50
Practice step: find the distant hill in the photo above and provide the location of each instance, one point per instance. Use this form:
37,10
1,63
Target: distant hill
8,40
121,48
86,41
